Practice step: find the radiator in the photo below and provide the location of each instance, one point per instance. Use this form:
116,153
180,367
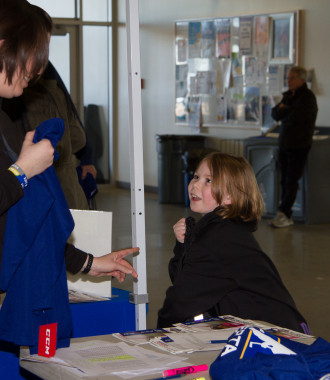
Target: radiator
234,147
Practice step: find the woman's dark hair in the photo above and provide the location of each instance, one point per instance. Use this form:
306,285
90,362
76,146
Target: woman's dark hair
24,38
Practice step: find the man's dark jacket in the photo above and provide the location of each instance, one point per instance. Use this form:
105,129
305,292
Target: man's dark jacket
297,118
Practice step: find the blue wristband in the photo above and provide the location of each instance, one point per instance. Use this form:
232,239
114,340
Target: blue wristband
19,174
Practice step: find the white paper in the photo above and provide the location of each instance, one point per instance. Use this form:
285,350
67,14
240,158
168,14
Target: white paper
97,357
140,337
193,341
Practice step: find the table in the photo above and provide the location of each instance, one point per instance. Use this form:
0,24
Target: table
55,372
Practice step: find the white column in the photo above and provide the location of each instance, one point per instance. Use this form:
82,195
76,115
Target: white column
139,295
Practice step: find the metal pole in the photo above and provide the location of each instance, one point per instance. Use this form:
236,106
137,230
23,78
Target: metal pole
139,296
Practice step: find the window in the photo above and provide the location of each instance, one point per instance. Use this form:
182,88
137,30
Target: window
58,8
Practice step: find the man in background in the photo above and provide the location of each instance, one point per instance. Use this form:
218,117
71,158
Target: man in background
297,112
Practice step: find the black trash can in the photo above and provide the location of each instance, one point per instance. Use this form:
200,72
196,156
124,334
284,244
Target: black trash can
191,159
170,149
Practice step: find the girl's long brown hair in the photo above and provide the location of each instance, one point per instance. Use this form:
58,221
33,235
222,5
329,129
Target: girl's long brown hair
234,177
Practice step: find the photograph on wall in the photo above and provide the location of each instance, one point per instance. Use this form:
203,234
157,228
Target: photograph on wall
254,70
222,81
209,109
261,36
181,73
235,105
180,110
192,84
234,34
282,30
181,50
208,39
194,40
181,89
245,35
252,104
181,29
223,37
275,79
221,108
181,81
205,82
194,111
236,64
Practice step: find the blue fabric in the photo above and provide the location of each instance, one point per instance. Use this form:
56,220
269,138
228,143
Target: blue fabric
252,354
88,184
33,267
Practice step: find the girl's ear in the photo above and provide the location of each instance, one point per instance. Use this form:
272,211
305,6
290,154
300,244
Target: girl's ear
227,200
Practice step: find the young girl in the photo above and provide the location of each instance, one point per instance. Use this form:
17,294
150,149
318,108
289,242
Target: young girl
218,267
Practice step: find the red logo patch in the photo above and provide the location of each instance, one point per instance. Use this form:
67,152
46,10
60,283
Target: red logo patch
47,340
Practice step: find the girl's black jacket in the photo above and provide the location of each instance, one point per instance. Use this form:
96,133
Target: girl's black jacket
220,269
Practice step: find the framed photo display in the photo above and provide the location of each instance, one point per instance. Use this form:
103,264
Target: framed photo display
234,66
282,49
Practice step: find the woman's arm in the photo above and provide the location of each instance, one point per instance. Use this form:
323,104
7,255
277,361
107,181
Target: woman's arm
10,190
111,264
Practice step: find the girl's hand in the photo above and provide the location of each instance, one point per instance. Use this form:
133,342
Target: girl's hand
180,230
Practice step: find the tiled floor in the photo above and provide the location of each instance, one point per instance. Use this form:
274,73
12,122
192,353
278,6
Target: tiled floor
301,254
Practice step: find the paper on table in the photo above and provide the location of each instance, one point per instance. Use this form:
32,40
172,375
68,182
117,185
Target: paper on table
98,357
192,341
215,323
41,359
142,336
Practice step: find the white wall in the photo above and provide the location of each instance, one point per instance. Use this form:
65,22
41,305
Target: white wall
157,19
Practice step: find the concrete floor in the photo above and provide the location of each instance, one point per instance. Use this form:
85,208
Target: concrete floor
300,252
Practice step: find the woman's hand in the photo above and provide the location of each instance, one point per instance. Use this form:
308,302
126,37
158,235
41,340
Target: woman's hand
113,264
180,230
35,158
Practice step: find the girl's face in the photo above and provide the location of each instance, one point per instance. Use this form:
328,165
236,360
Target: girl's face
200,191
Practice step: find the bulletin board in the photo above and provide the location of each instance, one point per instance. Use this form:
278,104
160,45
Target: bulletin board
231,71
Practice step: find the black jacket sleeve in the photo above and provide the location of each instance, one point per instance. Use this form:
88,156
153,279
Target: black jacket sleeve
74,258
10,190
298,108
278,112
175,260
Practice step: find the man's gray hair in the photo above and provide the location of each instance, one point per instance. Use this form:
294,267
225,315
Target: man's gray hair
301,72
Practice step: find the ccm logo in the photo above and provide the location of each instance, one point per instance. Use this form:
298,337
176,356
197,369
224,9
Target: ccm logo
47,340
47,343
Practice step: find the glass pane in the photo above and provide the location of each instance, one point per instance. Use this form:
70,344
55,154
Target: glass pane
96,10
58,8
96,48
59,55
